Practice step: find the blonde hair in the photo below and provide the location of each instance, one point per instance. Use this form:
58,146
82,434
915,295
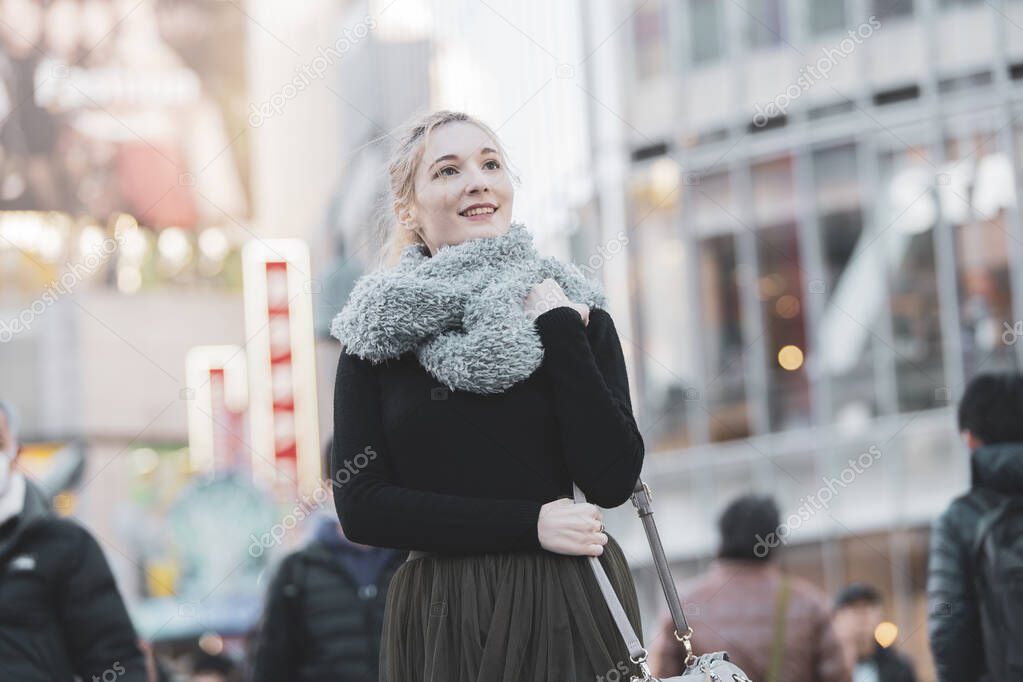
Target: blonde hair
401,173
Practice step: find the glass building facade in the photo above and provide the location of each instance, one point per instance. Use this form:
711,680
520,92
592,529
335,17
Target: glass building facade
838,281
825,245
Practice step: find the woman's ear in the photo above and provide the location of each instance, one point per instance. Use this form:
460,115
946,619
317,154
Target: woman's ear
405,216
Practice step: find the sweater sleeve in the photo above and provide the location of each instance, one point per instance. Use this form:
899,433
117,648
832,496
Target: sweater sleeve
602,443
374,510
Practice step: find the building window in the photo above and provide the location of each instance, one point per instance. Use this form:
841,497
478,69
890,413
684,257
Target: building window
826,16
850,289
979,191
725,347
649,34
765,22
909,211
891,9
780,291
705,31
665,336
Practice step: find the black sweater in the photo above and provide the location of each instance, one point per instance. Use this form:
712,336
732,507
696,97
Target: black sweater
419,466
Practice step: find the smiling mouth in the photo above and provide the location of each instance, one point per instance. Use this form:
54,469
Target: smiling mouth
482,210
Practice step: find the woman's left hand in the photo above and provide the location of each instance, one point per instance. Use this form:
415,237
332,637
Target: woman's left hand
548,294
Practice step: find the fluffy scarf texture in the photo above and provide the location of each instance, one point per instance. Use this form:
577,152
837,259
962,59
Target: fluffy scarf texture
460,310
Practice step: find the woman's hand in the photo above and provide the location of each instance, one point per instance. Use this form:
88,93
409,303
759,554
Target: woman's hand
548,294
566,527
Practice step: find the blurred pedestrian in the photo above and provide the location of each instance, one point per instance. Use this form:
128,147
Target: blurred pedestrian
207,667
857,615
58,598
975,596
774,626
156,668
325,609
478,381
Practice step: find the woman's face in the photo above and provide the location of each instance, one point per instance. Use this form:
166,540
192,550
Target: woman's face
462,189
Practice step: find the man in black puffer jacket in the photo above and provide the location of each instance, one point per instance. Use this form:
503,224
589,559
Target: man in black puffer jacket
975,627
324,608
324,611
61,615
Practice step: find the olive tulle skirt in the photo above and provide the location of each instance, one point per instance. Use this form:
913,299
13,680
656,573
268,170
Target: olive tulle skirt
528,616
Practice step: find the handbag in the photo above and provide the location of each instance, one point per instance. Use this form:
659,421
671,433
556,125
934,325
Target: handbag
714,667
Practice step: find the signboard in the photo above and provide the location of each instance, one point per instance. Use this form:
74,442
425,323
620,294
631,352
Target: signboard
217,402
282,369
107,109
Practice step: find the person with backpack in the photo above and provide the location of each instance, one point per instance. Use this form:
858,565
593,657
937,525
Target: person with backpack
324,612
61,616
975,572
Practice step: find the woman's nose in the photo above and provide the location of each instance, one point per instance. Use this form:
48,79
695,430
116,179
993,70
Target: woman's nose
477,182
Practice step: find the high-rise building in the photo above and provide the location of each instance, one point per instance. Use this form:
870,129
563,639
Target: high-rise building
824,243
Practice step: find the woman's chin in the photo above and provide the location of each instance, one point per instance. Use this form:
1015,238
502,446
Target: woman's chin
487,229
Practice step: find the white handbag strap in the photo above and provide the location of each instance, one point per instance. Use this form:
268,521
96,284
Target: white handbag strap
636,650
641,497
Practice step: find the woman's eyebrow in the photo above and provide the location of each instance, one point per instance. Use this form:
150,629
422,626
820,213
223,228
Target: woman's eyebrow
443,158
485,150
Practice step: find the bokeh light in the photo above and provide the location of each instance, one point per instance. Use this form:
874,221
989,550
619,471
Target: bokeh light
790,357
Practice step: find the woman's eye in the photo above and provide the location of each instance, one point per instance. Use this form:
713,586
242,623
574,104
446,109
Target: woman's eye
445,168
496,164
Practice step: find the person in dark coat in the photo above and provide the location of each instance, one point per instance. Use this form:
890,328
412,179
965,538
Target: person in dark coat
991,423
857,615
61,615
324,610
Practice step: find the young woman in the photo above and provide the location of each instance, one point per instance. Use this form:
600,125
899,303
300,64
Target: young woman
471,393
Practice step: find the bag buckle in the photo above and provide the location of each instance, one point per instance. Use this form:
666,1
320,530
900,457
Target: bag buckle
684,639
642,496
644,668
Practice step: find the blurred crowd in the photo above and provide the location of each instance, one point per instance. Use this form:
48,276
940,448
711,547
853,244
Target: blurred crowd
324,606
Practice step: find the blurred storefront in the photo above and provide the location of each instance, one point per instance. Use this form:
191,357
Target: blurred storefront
824,245
124,203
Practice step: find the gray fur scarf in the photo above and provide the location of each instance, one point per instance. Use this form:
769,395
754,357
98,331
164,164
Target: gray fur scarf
460,310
